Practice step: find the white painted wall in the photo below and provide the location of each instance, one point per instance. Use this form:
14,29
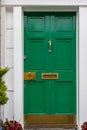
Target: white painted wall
2,45
82,64
7,58
9,78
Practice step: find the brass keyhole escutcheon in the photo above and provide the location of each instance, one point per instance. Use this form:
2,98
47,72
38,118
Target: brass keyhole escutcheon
30,75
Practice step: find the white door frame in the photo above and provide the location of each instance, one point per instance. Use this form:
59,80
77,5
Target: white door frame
19,50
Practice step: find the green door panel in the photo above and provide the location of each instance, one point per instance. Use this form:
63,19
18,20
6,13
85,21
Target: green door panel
64,98
50,96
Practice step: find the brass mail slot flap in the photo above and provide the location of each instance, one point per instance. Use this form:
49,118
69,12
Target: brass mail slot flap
50,76
29,75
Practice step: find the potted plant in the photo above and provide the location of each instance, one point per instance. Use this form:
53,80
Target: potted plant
11,125
84,126
3,89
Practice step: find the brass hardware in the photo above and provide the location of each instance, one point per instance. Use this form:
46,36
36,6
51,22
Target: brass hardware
50,46
29,75
50,119
25,57
50,76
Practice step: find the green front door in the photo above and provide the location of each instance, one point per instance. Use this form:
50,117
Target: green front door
50,67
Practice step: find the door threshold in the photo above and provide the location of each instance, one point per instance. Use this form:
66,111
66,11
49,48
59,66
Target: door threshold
64,126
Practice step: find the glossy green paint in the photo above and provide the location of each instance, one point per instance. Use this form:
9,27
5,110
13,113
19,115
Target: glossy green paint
50,96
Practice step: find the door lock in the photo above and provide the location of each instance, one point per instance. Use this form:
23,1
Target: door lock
29,75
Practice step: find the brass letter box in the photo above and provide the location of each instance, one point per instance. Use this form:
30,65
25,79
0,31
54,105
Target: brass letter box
29,75
50,76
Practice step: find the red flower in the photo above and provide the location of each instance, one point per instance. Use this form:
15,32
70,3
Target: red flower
84,126
12,125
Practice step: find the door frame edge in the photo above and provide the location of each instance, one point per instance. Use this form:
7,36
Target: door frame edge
19,38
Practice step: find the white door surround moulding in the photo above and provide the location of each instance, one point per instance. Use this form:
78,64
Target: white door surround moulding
18,61
82,64
45,2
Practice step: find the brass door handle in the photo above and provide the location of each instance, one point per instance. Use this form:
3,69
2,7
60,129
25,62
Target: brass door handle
50,46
